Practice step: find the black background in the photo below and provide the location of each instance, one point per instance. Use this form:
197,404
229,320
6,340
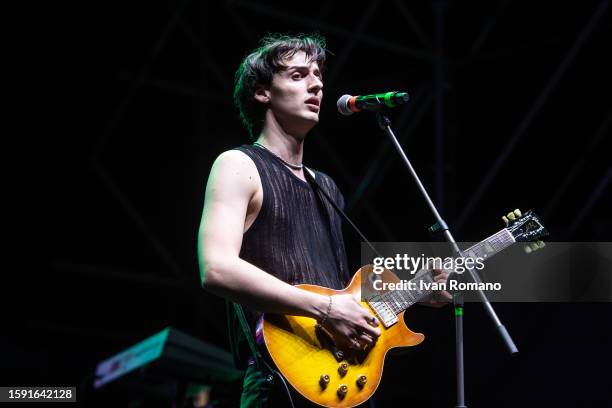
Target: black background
127,104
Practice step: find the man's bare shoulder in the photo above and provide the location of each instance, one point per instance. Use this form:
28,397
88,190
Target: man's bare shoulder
234,168
234,157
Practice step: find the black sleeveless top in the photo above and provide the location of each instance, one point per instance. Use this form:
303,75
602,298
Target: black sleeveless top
297,235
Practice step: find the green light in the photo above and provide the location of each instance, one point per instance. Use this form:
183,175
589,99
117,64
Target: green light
458,311
387,99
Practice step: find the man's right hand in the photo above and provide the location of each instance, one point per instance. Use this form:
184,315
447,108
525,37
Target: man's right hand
351,324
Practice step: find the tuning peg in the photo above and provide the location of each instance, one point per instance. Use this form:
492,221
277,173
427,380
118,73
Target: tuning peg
540,244
527,249
517,212
511,216
505,219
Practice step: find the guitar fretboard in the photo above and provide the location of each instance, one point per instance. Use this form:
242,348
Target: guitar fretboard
491,245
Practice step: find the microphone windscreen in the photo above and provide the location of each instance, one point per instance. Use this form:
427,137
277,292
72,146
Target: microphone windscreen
342,105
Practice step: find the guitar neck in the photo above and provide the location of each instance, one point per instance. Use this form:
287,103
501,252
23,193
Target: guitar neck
397,301
491,245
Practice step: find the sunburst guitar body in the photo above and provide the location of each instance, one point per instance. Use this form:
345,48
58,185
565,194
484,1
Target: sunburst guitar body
310,363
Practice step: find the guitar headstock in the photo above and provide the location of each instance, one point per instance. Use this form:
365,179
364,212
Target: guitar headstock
526,228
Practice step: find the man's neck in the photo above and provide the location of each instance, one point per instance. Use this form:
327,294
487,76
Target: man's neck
288,147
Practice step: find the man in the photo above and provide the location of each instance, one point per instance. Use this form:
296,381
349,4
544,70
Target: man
264,228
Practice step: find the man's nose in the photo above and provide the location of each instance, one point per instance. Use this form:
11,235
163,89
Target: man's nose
315,84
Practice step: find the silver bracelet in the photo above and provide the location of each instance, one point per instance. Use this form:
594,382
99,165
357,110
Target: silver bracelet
326,313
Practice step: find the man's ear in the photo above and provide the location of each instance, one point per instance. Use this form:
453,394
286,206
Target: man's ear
262,95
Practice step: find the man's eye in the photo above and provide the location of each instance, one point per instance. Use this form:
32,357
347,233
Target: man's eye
296,75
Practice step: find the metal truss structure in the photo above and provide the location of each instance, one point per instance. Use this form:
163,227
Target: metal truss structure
429,98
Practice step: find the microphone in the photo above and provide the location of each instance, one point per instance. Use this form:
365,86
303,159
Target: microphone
347,104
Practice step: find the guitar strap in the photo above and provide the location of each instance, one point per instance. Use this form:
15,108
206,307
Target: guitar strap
247,333
310,176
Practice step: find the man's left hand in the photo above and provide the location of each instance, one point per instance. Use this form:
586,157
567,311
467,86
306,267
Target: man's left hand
442,297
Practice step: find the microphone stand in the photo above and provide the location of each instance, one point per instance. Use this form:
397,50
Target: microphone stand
385,124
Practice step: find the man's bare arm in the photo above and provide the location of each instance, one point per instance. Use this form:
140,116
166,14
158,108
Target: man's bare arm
232,183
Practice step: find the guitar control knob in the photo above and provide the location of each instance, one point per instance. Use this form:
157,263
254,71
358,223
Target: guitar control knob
541,244
518,213
527,249
342,390
534,246
511,216
505,219
361,381
324,381
343,369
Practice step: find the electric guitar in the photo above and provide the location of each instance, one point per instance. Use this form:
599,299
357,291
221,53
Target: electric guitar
326,375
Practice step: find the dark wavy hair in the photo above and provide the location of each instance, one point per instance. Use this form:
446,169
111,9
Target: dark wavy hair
259,66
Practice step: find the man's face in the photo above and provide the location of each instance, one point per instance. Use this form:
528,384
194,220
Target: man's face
295,94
